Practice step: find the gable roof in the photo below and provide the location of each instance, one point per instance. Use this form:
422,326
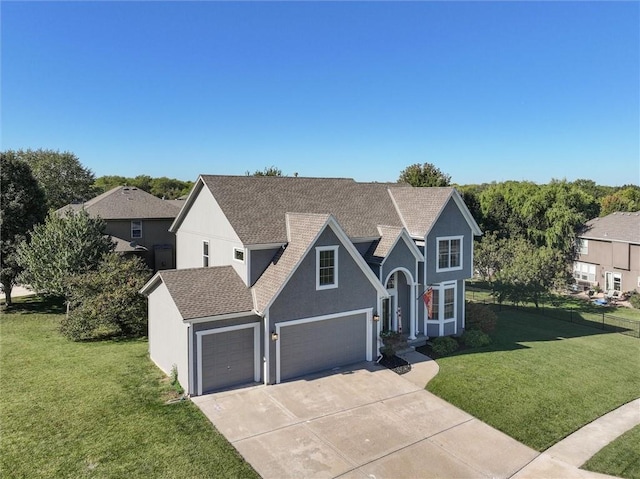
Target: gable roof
204,292
303,229
256,206
126,202
623,227
419,208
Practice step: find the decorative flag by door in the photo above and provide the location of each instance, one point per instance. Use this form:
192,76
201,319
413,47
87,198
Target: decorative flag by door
399,311
428,300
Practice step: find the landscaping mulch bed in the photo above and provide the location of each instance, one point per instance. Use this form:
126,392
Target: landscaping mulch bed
396,364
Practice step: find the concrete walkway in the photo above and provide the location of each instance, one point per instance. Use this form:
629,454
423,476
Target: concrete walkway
16,292
564,458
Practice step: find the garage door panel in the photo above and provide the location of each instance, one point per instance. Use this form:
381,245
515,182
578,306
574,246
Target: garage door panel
320,345
227,359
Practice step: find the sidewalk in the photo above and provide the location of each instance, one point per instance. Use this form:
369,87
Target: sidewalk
562,460
17,291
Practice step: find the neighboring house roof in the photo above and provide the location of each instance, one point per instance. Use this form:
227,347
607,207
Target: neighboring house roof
624,227
126,202
256,206
204,292
126,246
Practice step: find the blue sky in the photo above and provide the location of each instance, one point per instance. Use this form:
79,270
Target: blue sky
484,90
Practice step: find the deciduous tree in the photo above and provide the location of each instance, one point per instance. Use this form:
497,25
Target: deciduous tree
23,206
426,174
60,248
61,176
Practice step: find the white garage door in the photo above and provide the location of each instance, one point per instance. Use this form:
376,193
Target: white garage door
228,357
316,344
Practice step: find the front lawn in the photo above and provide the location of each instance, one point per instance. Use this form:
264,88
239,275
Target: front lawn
541,379
620,458
96,409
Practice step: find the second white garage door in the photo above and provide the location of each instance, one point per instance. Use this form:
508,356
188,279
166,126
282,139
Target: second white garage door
316,344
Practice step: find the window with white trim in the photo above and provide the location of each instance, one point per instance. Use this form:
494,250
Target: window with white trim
449,253
205,253
444,302
326,267
238,254
584,272
136,229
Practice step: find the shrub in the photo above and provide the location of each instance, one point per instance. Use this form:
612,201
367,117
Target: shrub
444,345
634,299
106,302
474,338
481,317
391,342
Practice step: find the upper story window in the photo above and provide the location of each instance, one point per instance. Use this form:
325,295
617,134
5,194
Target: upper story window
205,253
238,254
136,229
326,267
583,246
449,253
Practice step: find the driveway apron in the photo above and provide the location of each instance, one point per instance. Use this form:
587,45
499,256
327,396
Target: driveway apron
359,422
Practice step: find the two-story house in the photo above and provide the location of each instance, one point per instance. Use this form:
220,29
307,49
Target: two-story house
137,222
279,277
609,253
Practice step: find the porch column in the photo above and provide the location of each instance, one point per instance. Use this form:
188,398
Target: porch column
412,311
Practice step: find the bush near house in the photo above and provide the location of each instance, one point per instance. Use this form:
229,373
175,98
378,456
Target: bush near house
474,338
481,317
444,345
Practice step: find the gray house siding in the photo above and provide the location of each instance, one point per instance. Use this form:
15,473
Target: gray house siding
260,259
155,233
400,257
299,298
450,223
363,247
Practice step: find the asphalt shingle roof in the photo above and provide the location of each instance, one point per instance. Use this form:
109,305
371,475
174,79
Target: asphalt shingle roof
256,206
380,248
203,292
302,229
614,227
126,202
419,207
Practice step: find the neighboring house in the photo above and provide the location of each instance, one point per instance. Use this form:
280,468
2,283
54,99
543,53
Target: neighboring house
609,253
280,277
138,223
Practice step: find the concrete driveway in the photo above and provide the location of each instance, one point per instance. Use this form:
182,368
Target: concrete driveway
361,422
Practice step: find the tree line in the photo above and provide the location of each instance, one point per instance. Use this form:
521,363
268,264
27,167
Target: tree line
528,244
530,230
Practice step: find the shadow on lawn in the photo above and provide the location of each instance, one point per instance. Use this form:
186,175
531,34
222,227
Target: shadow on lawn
36,305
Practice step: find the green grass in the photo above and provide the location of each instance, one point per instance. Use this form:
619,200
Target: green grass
541,379
620,458
96,409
